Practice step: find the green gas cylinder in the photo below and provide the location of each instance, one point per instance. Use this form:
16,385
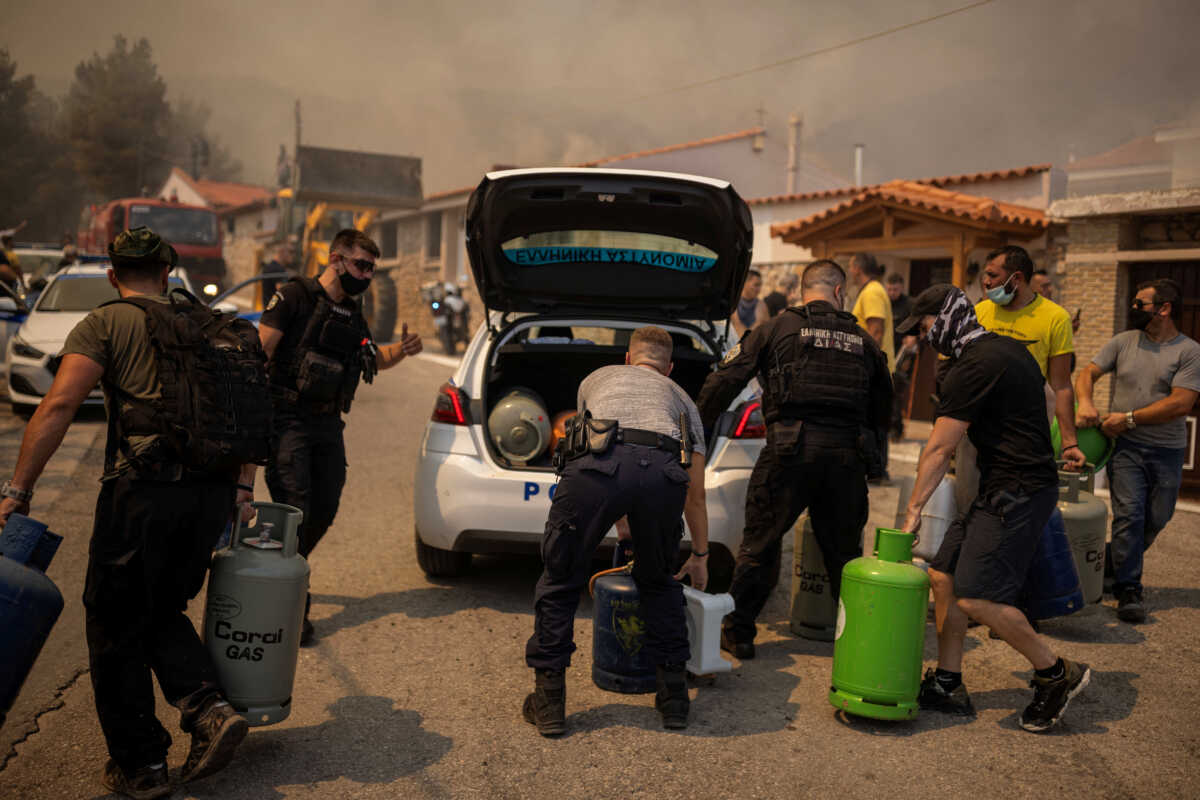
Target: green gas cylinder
814,608
1086,519
880,636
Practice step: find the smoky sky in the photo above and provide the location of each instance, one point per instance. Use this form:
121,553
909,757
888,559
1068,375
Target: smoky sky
466,85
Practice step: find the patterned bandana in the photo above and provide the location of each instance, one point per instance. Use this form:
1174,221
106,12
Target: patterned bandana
955,325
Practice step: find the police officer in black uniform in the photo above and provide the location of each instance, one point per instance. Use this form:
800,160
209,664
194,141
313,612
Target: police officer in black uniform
826,400
634,449
319,347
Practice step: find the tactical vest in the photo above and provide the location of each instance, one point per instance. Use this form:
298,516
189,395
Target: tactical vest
319,372
816,369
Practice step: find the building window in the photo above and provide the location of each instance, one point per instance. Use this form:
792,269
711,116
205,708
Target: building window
433,235
387,238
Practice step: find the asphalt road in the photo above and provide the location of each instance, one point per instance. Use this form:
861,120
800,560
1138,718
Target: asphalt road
414,689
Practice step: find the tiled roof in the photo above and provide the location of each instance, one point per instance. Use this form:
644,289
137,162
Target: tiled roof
226,196
1139,152
919,195
942,180
727,137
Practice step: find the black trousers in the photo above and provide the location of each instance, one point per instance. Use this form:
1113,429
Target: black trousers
823,473
150,550
308,471
595,491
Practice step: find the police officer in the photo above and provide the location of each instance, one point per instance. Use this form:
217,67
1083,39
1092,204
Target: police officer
319,347
155,526
634,449
826,400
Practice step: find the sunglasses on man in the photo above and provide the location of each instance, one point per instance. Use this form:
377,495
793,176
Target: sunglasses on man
363,264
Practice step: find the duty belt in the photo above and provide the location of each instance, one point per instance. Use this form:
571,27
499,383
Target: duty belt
292,398
648,439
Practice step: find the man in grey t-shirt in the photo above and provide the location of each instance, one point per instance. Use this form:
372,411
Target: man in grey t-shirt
654,475
1156,380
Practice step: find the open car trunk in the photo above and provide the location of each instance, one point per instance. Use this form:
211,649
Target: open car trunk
552,360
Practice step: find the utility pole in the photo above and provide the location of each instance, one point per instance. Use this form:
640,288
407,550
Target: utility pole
795,125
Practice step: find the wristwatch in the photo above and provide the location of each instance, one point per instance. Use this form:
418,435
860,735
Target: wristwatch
1129,420
20,495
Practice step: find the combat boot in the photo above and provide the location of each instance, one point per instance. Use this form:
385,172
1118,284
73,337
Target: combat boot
546,705
671,699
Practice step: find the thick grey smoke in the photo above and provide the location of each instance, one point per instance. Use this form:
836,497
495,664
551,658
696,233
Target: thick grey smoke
466,85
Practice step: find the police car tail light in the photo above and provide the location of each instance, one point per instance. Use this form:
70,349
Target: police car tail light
451,406
750,423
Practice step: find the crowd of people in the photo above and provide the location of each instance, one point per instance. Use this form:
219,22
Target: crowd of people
829,379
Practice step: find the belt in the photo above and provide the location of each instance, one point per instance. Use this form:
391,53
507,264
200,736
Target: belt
292,398
648,439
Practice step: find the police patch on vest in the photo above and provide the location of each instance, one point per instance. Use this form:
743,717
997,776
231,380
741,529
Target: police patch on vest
832,340
275,298
733,353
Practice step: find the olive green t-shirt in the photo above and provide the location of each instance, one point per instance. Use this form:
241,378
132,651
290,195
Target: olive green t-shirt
115,337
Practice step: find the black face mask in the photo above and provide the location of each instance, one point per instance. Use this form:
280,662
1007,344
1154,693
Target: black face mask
1139,318
353,286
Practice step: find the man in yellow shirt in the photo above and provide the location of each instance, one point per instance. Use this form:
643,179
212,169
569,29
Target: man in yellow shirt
873,311
1012,308
873,307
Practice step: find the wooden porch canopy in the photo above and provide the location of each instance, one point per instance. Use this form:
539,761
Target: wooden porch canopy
905,215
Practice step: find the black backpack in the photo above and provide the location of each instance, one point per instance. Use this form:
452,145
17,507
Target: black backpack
214,414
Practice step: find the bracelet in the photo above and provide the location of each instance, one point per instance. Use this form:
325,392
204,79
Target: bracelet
699,555
1069,446
246,488
13,493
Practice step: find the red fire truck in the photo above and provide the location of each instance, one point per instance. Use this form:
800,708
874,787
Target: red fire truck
193,231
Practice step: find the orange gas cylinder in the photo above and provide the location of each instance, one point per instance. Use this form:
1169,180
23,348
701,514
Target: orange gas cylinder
558,427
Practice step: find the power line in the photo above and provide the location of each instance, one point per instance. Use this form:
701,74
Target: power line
810,54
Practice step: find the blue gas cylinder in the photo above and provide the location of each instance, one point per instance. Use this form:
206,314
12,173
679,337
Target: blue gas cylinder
619,662
1053,588
29,601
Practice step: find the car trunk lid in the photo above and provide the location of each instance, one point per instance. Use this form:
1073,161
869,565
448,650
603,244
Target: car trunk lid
608,241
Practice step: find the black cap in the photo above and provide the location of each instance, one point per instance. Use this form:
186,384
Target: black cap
928,302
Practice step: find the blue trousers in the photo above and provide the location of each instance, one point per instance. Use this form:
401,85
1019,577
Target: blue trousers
595,491
1143,485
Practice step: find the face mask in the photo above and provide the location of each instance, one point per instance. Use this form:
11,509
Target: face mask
1001,296
353,286
1139,318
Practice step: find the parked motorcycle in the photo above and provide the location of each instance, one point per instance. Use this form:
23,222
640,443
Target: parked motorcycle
451,314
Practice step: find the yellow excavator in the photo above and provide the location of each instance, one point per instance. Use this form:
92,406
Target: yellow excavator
341,186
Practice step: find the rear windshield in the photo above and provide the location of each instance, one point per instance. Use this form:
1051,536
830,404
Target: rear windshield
608,247
177,225
82,293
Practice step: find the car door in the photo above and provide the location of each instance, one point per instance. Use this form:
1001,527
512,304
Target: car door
13,312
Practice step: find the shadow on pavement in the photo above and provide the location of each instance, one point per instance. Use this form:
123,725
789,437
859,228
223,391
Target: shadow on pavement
1098,625
1160,598
1111,696
367,741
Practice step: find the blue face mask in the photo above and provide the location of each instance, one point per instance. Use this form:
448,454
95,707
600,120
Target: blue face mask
1001,296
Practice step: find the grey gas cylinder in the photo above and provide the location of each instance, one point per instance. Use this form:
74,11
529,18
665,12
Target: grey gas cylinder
1086,519
256,594
814,608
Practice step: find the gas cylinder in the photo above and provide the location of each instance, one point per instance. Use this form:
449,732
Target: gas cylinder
814,608
1086,519
1053,583
29,601
520,425
619,662
255,607
880,635
937,516
558,427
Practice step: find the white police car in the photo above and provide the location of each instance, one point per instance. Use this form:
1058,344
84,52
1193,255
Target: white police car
32,354
569,263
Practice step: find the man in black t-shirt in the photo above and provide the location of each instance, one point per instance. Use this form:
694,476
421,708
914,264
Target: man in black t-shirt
991,392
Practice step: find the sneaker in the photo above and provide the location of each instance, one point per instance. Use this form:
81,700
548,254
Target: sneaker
1050,697
215,735
144,784
1129,606
546,705
671,698
934,697
742,650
